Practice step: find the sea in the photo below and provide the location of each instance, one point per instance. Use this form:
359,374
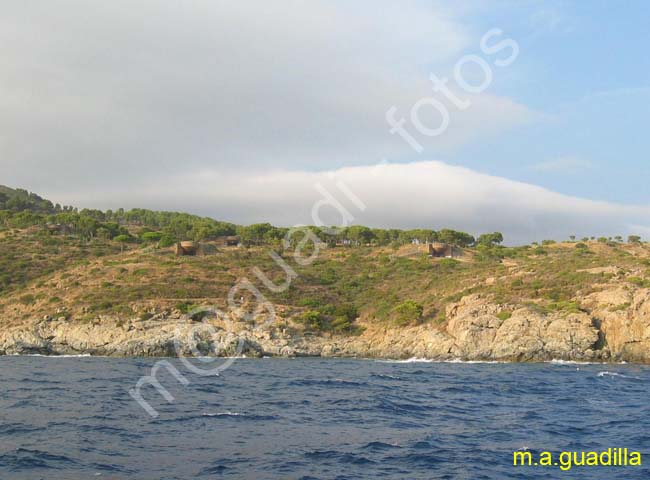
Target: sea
307,418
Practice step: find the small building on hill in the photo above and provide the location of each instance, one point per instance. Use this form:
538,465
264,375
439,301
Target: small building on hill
58,229
442,250
228,241
187,249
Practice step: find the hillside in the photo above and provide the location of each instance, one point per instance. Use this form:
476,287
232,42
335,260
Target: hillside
76,293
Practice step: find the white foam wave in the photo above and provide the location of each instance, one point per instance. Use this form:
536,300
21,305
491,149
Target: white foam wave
579,362
82,355
408,360
454,360
222,414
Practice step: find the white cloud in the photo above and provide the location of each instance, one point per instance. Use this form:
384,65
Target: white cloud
564,165
126,91
425,194
236,109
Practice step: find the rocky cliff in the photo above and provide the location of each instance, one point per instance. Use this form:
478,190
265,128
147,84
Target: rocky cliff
615,326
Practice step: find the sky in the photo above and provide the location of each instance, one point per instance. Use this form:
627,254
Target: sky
250,111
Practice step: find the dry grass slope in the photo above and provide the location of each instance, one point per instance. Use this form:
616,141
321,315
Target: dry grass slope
57,276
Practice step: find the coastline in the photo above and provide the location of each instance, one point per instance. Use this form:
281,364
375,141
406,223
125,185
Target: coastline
473,332
413,360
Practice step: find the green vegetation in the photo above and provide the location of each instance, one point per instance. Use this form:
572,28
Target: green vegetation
620,308
490,239
504,315
408,313
22,209
329,318
639,282
117,263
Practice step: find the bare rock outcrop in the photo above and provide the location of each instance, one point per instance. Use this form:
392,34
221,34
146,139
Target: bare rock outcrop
623,314
481,334
616,328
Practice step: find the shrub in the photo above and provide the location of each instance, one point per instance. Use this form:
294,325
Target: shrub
123,238
102,306
151,237
537,284
448,263
408,312
28,299
166,241
565,306
328,317
121,309
327,277
621,307
201,315
341,323
311,319
504,315
184,307
639,282
347,311
309,302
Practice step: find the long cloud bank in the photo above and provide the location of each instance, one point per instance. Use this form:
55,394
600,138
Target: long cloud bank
424,194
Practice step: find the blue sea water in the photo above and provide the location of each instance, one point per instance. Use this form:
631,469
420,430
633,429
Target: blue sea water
72,418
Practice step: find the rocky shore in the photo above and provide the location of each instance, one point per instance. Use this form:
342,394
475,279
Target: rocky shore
614,327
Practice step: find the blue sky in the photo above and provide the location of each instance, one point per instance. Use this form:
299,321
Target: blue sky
585,65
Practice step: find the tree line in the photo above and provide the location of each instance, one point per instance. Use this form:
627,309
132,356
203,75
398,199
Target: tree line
22,209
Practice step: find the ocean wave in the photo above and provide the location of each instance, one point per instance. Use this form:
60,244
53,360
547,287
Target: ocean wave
81,355
421,459
480,362
385,376
214,470
239,415
380,446
327,382
607,373
345,458
225,415
453,360
557,361
17,429
344,419
216,357
221,414
401,407
24,459
581,362
408,360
